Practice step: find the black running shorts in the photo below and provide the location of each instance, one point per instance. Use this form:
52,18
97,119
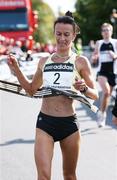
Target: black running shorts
57,127
110,77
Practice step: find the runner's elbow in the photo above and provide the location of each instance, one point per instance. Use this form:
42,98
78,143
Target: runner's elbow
96,96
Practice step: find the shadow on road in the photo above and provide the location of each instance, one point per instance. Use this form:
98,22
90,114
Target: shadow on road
17,141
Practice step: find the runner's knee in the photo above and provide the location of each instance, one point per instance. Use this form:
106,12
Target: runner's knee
44,175
106,93
69,176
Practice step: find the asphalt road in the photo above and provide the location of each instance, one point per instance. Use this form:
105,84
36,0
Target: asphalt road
98,154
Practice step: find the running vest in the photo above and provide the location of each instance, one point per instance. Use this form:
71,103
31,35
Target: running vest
60,75
106,62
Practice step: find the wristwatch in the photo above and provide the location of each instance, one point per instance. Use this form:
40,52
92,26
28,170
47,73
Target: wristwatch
84,90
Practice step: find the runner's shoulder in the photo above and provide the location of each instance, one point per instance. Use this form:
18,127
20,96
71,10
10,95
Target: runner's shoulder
81,59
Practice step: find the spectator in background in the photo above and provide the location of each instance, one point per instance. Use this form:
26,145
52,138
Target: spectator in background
3,48
10,45
78,46
49,47
92,45
29,43
24,47
37,47
17,49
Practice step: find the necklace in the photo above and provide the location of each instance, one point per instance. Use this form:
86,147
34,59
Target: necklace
59,56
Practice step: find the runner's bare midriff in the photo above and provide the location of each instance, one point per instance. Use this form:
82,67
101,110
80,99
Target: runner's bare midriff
59,106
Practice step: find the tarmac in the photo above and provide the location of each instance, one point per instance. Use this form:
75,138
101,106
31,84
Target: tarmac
98,154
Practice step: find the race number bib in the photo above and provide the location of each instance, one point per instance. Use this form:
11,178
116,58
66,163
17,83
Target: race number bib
58,75
105,57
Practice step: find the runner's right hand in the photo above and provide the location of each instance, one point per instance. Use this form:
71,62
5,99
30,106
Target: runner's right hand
12,62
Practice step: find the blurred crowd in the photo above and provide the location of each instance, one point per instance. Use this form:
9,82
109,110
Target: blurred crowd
9,45
29,46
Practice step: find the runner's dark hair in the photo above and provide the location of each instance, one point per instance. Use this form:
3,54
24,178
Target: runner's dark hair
68,19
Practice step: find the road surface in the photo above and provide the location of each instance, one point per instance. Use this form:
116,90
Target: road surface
98,154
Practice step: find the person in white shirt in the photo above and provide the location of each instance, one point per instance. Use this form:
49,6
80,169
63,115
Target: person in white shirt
106,54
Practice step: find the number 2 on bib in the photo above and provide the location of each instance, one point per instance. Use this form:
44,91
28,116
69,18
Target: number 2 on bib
57,75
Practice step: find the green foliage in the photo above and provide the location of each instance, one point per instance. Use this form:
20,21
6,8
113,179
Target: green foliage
46,18
91,14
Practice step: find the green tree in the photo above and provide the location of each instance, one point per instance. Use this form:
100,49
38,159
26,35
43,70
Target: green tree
44,32
91,14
